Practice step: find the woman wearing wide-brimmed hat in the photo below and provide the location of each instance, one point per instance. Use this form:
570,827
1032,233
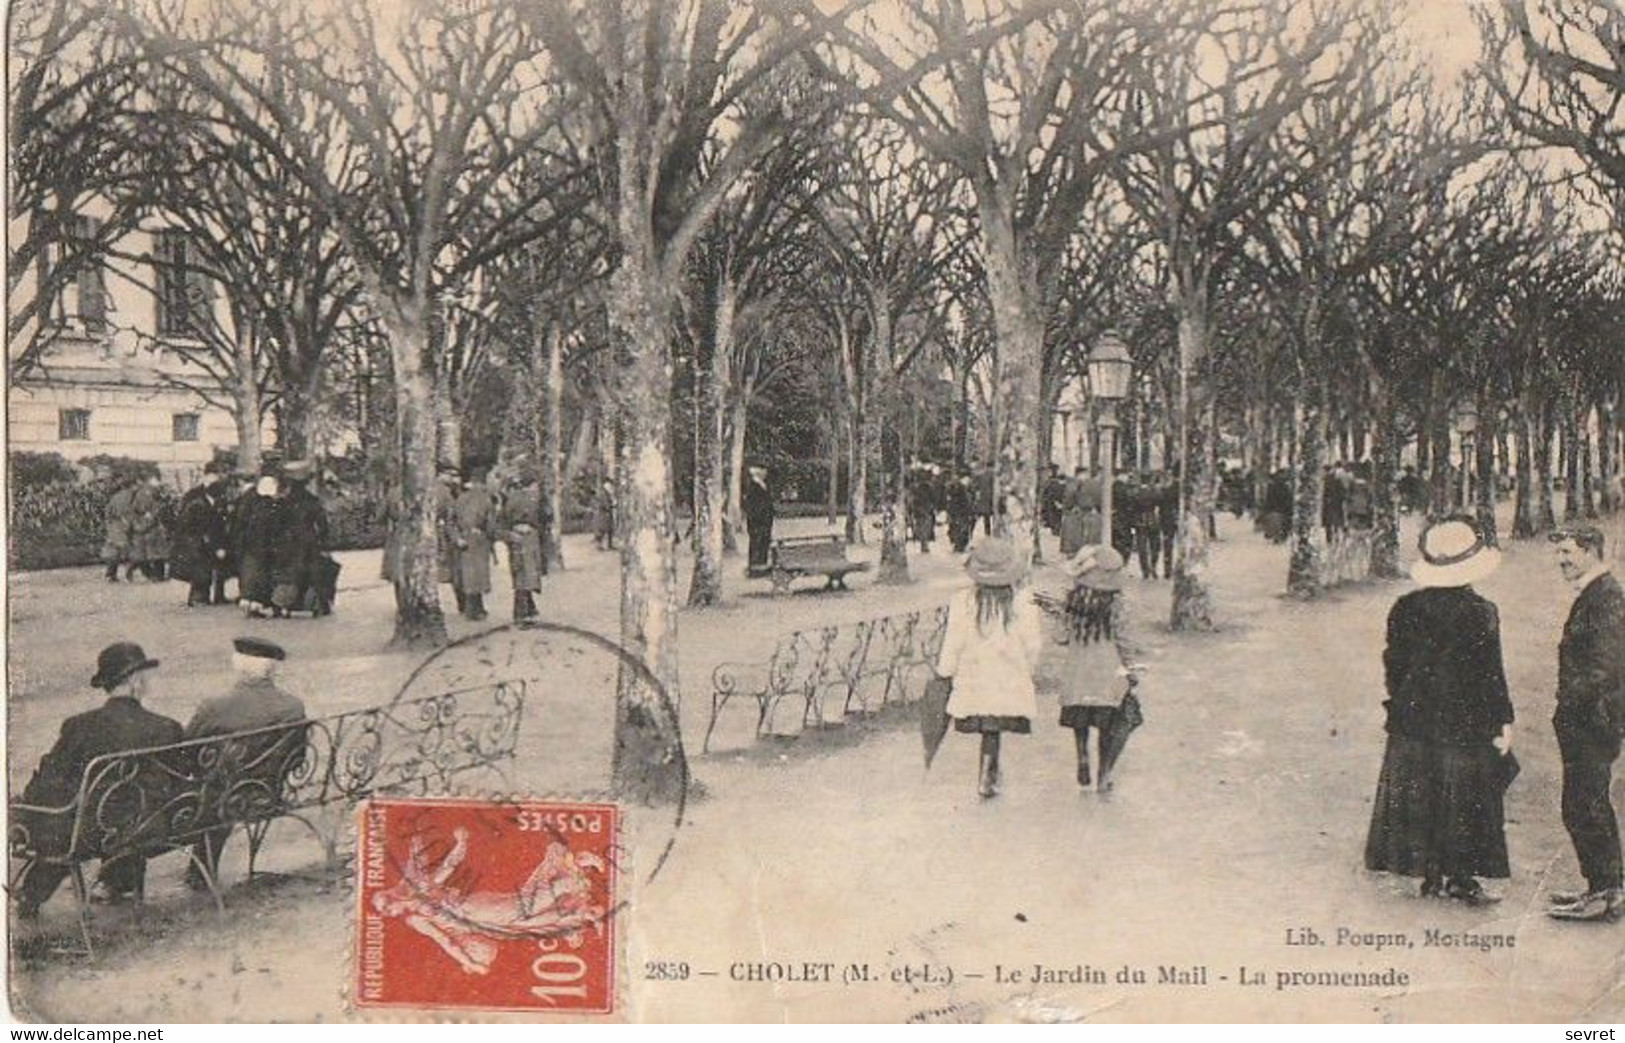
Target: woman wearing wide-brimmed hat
989,649
1438,811
1098,661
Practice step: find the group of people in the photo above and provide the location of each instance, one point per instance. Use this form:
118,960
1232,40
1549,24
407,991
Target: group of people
135,534
1145,516
268,531
1000,649
471,517
963,497
1439,808
122,724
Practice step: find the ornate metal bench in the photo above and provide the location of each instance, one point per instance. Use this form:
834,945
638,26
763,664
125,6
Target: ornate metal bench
146,802
808,556
832,671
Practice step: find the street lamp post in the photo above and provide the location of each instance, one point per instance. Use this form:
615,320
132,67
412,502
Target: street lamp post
1466,427
1111,367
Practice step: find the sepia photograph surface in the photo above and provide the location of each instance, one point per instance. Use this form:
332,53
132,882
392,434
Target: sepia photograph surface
974,511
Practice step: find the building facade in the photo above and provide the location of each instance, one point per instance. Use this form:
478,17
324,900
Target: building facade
111,380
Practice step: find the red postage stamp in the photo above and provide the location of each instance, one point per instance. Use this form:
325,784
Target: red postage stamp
486,905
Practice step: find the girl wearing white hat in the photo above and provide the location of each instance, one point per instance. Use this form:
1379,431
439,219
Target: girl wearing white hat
990,647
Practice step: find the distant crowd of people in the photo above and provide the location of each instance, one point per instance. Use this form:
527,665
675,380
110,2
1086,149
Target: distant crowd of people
267,531
472,516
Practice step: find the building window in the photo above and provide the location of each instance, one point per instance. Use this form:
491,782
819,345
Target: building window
73,425
74,259
182,290
184,426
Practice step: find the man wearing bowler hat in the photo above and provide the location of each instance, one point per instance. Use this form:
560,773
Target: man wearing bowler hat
119,724
256,701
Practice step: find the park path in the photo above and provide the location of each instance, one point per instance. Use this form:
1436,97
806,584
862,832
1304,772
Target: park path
1240,812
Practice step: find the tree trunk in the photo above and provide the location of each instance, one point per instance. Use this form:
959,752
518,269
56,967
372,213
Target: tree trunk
1192,607
832,469
1018,324
550,446
419,622
1545,514
449,431
710,376
1483,465
857,492
734,519
1588,492
893,523
1385,455
962,432
1304,563
294,418
648,765
1607,464
1443,495
246,410
1523,505
888,400
1571,460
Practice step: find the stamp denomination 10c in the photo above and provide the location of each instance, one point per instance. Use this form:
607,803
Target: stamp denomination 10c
486,905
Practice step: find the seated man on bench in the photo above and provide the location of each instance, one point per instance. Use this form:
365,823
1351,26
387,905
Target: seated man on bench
255,701
119,724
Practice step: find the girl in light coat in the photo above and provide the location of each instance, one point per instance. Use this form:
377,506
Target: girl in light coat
990,648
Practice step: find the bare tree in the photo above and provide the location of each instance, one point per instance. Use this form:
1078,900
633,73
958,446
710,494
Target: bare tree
1211,168
682,102
405,129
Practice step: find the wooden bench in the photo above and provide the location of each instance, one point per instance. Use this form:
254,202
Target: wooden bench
808,556
827,673
151,801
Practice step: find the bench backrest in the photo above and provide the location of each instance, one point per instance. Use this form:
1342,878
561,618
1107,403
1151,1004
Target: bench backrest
147,800
812,556
845,660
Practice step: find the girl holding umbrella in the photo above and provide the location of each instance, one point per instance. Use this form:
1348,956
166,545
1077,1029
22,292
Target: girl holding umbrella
1099,664
989,649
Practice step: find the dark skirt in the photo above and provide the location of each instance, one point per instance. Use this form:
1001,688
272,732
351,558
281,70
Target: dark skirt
1098,716
1438,812
993,723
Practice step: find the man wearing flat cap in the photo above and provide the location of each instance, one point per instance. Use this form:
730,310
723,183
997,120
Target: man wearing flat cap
119,724
1590,723
256,701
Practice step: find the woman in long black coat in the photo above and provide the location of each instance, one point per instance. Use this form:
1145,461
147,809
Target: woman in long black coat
1438,812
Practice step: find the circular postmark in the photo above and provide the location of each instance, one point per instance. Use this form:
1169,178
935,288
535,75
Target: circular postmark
534,867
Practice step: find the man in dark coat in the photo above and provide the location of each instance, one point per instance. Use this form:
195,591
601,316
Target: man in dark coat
256,521
520,524
759,510
1590,722
254,702
119,724
1054,499
149,543
116,545
984,499
199,553
960,502
473,533
296,549
1167,491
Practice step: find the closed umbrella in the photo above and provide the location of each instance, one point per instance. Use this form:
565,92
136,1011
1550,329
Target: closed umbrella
1127,718
934,715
